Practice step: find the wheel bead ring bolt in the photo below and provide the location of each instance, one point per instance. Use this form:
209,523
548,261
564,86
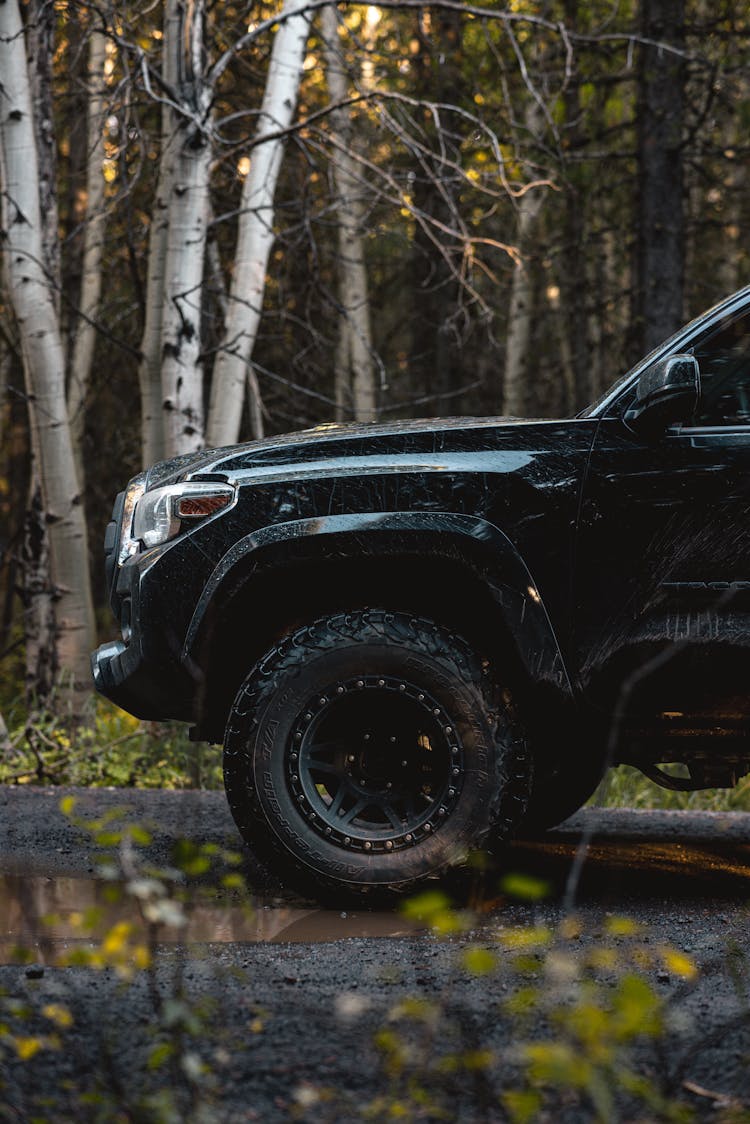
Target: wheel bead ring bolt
392,800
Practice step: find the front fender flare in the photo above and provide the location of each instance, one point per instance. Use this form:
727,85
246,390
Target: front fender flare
511,582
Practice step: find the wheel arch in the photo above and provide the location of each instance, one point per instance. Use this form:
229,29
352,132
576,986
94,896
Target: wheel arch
460,570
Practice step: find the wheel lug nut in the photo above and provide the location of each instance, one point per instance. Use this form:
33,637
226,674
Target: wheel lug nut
391,739
455,772
436,712
360,683
295,777
347,840
298,736
388,784
381,682
322,701
428,827
448,730
404,764
388,845
339,690
308,716
350,757
367,737
328,831
368,845
402,686
421,698
408,837
451,792
293,756
441,811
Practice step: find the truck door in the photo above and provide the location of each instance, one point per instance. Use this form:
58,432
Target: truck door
662,579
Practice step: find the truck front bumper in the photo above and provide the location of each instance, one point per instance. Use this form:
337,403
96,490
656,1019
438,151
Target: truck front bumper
155,694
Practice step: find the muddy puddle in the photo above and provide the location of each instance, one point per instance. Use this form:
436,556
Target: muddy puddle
48,917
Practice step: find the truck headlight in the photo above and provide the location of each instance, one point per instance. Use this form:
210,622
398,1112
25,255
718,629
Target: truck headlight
164,512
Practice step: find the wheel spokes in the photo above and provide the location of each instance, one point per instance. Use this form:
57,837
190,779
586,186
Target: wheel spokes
354,811
371,762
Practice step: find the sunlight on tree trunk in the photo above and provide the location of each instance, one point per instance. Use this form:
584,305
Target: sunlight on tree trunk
256,233
355,367
42,350
520,312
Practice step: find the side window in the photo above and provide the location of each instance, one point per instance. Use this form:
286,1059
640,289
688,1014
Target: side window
724,360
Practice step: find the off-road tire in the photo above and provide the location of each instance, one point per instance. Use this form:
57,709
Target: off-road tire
349,680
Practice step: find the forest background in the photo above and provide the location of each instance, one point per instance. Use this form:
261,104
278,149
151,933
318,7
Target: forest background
221,221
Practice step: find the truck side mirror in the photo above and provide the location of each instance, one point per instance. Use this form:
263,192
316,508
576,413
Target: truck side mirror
666,392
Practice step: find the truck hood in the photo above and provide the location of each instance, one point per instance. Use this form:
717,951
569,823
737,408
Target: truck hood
427,435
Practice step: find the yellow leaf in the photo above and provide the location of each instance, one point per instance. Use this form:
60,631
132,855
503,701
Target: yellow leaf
525,886
67,804
27,1047
621,927
116,938
526,937
58,1014
679,964
479,961
141,956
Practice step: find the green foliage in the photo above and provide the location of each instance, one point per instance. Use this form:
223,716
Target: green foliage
176,1084
581,1016
626,787
571,1020
106,747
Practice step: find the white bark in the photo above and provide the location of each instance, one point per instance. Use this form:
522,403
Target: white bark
518,339
91,275
355,362
42,351
520,310
41,22
149,368
255,236
187,226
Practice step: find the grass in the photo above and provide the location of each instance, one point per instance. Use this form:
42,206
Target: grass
626,787
110,747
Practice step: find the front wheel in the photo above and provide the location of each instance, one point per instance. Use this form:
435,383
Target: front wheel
370,750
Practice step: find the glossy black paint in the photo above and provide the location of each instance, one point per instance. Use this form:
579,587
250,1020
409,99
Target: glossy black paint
603,568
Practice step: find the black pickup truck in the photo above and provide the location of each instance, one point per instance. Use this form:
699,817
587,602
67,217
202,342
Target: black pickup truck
415,639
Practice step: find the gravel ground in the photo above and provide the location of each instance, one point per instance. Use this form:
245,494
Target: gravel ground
412,1024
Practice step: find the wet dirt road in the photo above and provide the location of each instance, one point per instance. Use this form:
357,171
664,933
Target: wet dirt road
298,993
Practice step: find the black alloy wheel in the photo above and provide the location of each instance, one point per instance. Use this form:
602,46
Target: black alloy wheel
370,750
375,764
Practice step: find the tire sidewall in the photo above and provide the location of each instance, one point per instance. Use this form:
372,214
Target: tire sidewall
267,738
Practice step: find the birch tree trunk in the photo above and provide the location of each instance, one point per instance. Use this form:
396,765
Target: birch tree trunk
91,276
40,47
149,368
355,364
255,236
518,339
187,227
42,350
